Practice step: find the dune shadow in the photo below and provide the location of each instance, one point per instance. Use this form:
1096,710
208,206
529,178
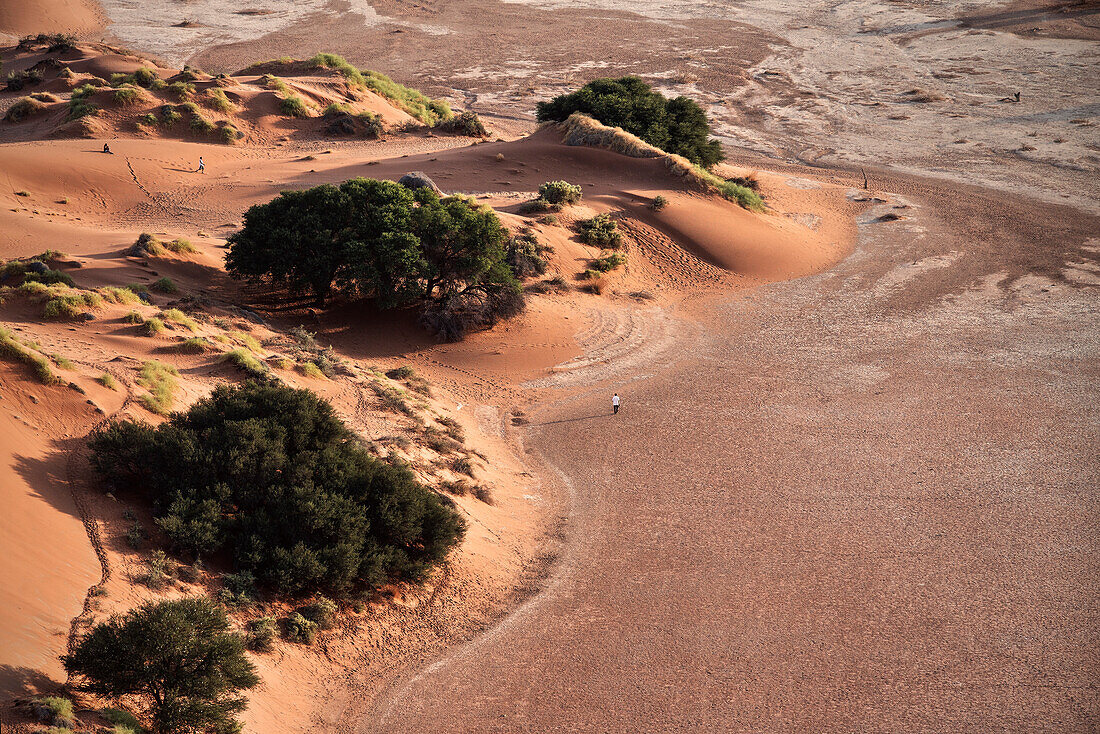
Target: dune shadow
17,681
47,475
572,420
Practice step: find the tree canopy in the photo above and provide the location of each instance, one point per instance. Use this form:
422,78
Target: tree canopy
374,239
178,657
676,125
272,475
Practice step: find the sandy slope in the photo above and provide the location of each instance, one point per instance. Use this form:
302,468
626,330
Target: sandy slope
29,17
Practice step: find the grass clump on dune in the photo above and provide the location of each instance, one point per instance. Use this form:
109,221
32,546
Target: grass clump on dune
24,108
244,361
108,381
133,317
229,134
129,95
216,100
169,116
114,294
160,380
607,263
601,231
428,111
13,350
249,341
294,106
181,90
175,316
194,345
164,285
153,326
54,710
276,84
80,105
201,124
467,123
309,369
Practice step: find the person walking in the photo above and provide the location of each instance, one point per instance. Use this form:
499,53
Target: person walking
202,166
615,403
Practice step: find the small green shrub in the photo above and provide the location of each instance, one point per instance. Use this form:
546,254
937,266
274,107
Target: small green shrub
50,277
160,571
294,106
298,629
229,134
261,634
154,326
135,536
62,362
238,589
392,400
161,382
169,116
467,123
194,345
125,719
134,317
175,316
108,381
54,710
149,119
216,100
336,108
601,231
275,83
24,108
524,256
560,193
249,341
180,246
321,611
181,90
129,95
659,202
115,294
607,263
201,124
310,370
164,285
245,362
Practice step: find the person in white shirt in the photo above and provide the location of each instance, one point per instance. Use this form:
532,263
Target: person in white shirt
615,402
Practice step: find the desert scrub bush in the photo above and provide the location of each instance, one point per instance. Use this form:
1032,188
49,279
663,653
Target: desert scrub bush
336,108
678,126
154,326
123,721
607,263
454,430
136,535
68,303
161,382
484,494
297,628
548,219
278,484
600,231
463,465
135,317
129,95
62,362
467,123
559,193
54,710
439,441
163,285
169,116
16,81
245,362
60,43
659,203
80,106
392,400
201,124
179,660
238,589
48,277
248,340
216,100
114,294
308,369
24,108
276,84
261,634
180,246
415,382
424,109
159,572
743,195
175,316
525,256
108,381
294,106
340,64
321,611
22,192
229,134
194,345
182,91
149,119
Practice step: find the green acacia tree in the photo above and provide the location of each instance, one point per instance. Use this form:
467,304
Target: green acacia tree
178,657
374,239
676,125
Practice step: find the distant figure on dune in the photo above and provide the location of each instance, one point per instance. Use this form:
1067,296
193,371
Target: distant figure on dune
202,166
615,403
106,148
